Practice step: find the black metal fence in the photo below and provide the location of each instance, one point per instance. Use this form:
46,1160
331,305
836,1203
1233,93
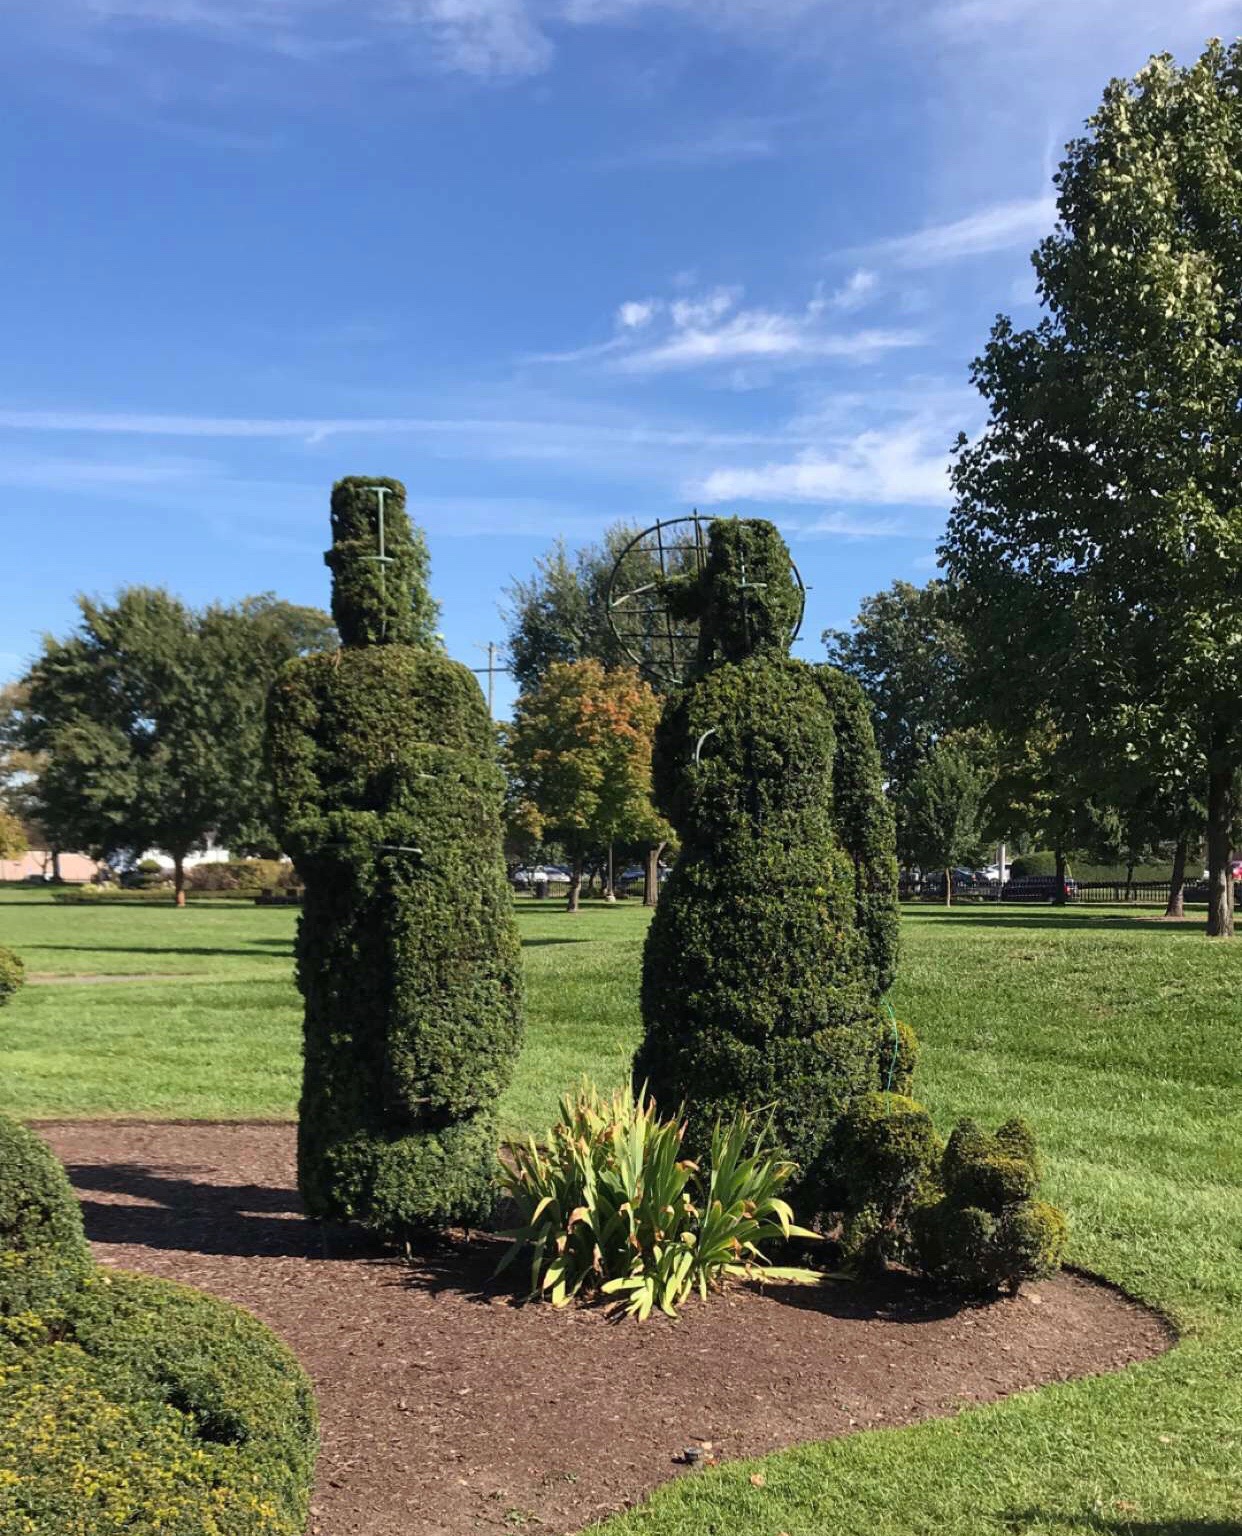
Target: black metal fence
1139,893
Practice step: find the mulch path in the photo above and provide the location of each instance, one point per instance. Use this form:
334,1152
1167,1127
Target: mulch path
449,1407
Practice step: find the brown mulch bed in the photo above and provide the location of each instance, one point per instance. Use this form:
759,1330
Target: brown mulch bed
449,1407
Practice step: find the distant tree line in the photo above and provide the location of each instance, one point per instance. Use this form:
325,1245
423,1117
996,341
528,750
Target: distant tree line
144,727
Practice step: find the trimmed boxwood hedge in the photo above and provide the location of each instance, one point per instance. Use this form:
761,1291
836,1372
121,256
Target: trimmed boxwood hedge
130,1404
389,799
775,935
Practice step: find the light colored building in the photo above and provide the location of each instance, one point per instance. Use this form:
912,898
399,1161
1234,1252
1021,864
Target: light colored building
76,868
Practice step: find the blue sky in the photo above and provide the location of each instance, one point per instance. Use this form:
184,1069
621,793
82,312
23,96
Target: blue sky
550,262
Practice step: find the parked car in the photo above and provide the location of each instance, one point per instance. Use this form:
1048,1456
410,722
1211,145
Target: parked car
1037,888
965,882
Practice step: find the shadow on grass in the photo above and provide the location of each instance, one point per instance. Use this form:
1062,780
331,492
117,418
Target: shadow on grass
246,953
1118,1525
182,1213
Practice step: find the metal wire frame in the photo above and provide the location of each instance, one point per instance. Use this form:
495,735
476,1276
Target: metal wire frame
652,643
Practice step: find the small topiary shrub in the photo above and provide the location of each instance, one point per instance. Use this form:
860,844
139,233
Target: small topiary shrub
43,1251
12,974
886,1155
988,1232
132,1404
609,1204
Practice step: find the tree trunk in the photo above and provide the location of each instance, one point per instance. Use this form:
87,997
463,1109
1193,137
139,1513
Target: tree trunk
1058,896
1129,882
1221,813
179,879
610,888
948,887
1177,880
651,874
572,901
56,865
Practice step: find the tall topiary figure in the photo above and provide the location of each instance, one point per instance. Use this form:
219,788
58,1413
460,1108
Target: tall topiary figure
383,758
776,933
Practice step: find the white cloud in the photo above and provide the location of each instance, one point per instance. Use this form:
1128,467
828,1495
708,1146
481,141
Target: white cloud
853,293
758,335
526,436
902,465
695,313
711,329
635,313
996,228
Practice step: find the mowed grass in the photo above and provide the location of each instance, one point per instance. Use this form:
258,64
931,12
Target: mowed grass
210,1025
1119,1036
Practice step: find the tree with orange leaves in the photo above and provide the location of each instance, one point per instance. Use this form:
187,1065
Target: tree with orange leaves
579,760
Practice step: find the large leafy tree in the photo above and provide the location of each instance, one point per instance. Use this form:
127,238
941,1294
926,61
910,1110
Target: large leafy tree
579,759
147,722
944,808
906,652
1097,533
561,611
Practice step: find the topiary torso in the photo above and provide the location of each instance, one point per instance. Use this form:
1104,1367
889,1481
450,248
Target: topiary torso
775,935
383,756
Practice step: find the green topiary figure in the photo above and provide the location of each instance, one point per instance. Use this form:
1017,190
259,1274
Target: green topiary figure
12,974
389,798
43,1252
776,933
885,1155
988,1232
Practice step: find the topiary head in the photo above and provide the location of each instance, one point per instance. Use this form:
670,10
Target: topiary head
42,1244
745,598
379,566
886,1147
990,1172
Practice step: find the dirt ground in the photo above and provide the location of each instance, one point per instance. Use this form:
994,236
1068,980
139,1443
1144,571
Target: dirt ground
448,1406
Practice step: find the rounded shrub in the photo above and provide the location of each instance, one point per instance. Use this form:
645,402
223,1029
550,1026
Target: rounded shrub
43,1250
988,1231
12,974
389,798
132,1404
148,1407
775,935
885,1156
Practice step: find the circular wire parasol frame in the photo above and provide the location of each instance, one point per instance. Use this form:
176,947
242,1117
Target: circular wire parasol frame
656,641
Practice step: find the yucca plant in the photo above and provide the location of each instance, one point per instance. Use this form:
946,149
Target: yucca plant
609,1205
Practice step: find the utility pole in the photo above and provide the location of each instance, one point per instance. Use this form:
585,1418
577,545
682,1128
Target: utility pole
493,666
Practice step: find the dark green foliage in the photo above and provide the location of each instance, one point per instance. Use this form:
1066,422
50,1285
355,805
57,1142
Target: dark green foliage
885,1153
147,722
378,602
12,974
384,762
988,1231
43,1251
907,653
776,933
898,1054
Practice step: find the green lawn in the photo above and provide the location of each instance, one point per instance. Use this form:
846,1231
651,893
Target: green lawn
1120,1036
